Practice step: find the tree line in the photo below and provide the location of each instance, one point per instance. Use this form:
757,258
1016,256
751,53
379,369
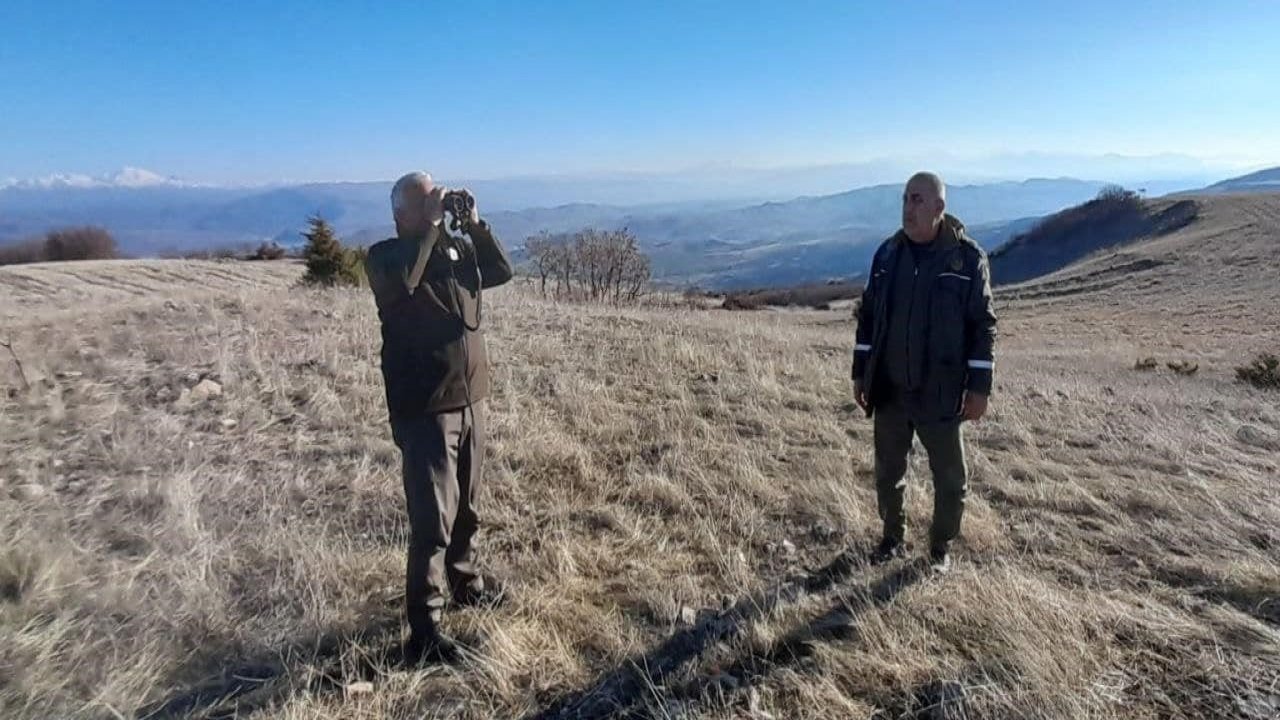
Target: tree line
589,265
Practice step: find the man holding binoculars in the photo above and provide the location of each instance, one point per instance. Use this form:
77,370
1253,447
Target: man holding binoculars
427,287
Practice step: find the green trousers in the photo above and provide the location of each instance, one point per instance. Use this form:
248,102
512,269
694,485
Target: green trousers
441,470
944,443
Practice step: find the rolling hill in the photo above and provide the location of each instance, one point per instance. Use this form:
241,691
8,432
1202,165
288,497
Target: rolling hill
1220,263
1267,180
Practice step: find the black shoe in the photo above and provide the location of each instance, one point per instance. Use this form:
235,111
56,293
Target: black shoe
889,549
430,647
490,594
939,560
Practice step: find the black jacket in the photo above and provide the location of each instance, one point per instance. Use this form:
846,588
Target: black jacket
961,331
433,353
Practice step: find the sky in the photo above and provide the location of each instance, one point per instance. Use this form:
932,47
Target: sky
305,91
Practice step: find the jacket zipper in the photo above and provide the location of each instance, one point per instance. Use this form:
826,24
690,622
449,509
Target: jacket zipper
911,309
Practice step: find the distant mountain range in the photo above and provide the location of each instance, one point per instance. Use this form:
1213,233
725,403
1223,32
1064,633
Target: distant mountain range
714,243
129,177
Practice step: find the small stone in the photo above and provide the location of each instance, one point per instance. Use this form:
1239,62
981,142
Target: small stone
191,378
687,615
823,532
229,423
787,547
359,688
1250,435
57,463
204,390
69,374
30,491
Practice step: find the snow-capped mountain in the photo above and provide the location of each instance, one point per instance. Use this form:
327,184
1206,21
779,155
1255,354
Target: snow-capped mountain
129,177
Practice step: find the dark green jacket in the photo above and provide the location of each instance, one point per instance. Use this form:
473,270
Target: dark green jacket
428,295
960,322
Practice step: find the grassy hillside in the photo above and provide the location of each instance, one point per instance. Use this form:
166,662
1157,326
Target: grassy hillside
1216,274
1267,181
679,501
1058,240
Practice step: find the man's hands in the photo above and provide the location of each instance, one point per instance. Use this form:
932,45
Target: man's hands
975,406
860,394
434,204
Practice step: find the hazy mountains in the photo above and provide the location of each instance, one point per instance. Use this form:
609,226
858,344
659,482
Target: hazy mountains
713,242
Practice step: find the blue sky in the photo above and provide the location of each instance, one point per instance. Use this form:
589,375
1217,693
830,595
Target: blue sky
252,92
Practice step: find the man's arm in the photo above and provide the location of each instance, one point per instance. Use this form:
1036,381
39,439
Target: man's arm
390,279
386,292
413,276
866,325
980,331
495,265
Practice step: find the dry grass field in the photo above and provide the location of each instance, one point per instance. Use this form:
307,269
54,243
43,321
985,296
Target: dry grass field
678,501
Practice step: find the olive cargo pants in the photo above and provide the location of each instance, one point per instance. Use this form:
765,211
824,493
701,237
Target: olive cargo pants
441,456
944,443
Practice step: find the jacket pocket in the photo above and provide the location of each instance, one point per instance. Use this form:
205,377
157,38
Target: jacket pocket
950,383
950,296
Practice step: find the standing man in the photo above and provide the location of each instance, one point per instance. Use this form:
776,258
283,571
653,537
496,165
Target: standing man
923,360
427,287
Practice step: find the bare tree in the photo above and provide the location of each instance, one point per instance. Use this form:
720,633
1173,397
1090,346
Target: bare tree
591,265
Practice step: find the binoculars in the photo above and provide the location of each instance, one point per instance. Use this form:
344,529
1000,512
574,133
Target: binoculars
459,203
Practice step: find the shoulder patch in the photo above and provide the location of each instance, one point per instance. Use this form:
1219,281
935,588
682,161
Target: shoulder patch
957,263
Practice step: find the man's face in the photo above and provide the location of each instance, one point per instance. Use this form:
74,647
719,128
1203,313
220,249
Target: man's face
921,208
412,217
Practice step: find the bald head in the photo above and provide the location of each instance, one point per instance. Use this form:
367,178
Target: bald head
924,201
409,203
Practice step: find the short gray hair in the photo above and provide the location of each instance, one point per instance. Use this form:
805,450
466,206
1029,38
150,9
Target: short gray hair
934,181
398,190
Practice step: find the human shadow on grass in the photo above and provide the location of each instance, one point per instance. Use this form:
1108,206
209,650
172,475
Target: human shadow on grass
622,690
836,623
252,684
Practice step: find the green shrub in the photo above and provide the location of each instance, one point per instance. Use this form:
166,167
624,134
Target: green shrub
328,262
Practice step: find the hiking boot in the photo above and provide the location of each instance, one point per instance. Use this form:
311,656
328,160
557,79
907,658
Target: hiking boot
939,560
890,548
431,646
